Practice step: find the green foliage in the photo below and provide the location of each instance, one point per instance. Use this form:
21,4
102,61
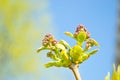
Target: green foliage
63,55
115,74
108,76
81,37
69,34
93,52
19,33
76,54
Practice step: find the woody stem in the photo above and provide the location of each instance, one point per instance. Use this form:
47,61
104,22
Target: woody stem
75,71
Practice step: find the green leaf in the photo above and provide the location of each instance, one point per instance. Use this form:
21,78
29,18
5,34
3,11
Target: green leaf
64,43
116,73
69,34
51,64
93,52
52,56
64,55
76,53
95,43
60,46
77,49
107,77
65,63
42,48
85,56
81,37
39,49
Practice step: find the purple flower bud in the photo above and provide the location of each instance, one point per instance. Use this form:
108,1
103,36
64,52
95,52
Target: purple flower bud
81,28
85,29
49,41
48,35
88,45
76,33
87,35
54,42
44,44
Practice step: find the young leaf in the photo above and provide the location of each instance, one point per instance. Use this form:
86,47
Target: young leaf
81,37
69,34
93,52
76,53
66,63
60,46
95,42
64,43
42,48
77,49
64,55
50,64
108,76
85,56
116,73
52,56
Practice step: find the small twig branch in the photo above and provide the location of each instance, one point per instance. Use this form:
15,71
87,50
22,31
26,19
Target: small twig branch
75,71
66,56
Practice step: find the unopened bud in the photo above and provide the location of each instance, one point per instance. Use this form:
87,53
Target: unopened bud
87,35
54,42
81,28
48,35
49,41
88,45
49,54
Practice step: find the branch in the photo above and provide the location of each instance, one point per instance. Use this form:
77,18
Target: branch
75,71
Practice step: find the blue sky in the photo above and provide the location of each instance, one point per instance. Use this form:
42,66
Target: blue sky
100,18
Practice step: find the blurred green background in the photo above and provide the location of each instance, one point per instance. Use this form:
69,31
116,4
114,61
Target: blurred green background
23,24
21,29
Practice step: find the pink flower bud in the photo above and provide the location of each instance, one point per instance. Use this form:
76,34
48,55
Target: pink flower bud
88,34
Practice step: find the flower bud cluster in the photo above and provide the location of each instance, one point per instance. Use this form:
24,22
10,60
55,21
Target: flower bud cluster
49,40
90,43
82,28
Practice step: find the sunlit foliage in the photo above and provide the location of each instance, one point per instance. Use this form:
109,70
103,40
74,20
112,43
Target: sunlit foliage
63,55
18,34
115,74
